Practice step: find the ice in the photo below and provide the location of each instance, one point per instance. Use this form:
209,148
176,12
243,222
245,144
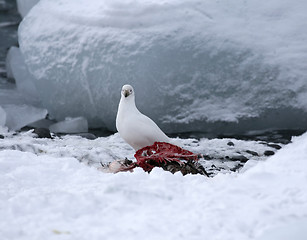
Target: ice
70,125
24,6
9,95
195,66
43,123
17,70
20,108
9,71
18,116
2,117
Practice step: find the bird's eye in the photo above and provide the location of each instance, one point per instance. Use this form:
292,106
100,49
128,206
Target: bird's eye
130,91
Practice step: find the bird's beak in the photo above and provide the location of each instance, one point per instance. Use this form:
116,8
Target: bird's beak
126,93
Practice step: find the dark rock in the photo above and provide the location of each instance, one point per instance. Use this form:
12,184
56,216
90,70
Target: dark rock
268,153
230,143
276,146
237,167
1,136
207,157
42,132
252,153
240,158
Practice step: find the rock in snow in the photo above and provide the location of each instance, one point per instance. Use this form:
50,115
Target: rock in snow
42,133
208,63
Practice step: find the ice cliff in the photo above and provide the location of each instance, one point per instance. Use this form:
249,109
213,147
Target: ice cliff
195,66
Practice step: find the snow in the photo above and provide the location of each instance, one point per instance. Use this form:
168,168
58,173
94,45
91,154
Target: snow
51,195
211,64
222,156
295,230
70,125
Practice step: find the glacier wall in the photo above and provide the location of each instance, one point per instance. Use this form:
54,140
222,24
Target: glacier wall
196,66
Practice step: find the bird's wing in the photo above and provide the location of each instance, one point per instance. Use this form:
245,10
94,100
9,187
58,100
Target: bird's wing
142,131
150,129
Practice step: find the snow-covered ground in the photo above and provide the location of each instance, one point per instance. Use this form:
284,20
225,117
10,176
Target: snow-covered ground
46,193
220,155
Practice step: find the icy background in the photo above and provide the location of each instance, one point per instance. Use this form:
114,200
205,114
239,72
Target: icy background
214,66
19,103
24,6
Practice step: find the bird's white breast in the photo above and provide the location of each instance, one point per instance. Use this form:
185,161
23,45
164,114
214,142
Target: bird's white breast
137,129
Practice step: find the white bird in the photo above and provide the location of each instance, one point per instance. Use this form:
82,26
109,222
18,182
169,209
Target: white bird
134,127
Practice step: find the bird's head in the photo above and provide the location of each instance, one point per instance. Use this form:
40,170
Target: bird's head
127,91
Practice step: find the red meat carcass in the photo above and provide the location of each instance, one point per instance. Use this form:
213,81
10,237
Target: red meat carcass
170,157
